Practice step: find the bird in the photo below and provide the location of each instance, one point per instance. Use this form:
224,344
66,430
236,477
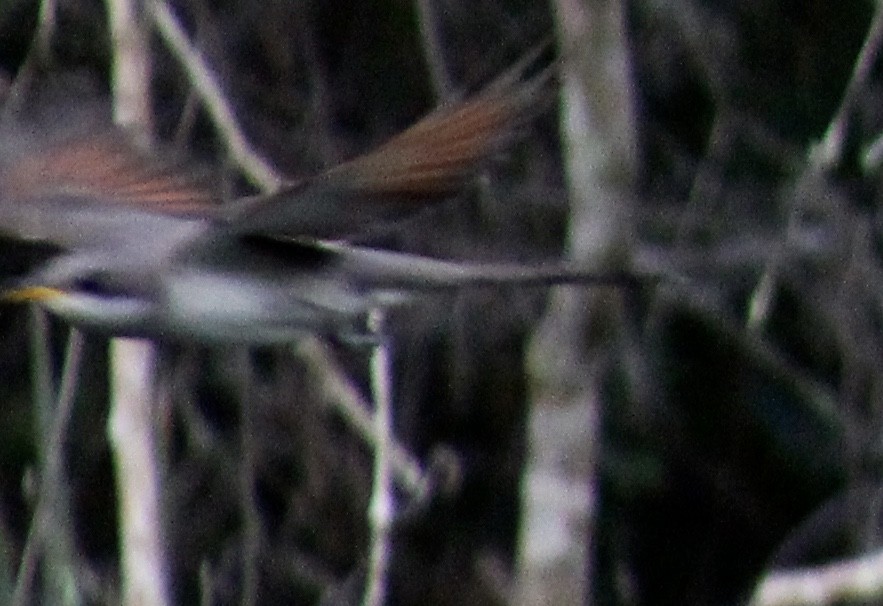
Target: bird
138,247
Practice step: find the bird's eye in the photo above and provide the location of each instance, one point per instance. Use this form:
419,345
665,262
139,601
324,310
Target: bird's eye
93,285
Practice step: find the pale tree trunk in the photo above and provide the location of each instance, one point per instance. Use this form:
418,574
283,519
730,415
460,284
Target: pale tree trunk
574,343
131,428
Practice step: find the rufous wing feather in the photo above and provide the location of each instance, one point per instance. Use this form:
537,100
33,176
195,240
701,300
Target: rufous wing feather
105,168
438,155
430,161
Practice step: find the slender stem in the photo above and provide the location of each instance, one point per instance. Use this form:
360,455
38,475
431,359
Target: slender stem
39,53
251,525
340,393
828,152
382,508
200,76
432,49
50,511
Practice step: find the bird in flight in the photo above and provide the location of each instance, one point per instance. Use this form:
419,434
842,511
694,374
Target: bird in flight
140,247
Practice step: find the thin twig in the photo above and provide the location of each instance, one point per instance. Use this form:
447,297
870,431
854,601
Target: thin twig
200,76
251,524
39,53
819,398
432,49
42,372
823,156
320,102
205,584
828,152
340,393
49,495
763,297
381,511
59,584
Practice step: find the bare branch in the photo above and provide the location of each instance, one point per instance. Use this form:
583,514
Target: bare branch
432,49
858,579
381,511
826,154
132,441
131,73
829,150
337,391
48,524
258,170
38,53
251,521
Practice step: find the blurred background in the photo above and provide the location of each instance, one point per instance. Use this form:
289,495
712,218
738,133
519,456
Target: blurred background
690,436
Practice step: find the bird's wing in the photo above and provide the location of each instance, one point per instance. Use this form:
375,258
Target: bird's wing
91,199
430,161
98,167
103,167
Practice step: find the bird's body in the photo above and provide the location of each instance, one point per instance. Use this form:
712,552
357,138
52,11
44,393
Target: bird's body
141,248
